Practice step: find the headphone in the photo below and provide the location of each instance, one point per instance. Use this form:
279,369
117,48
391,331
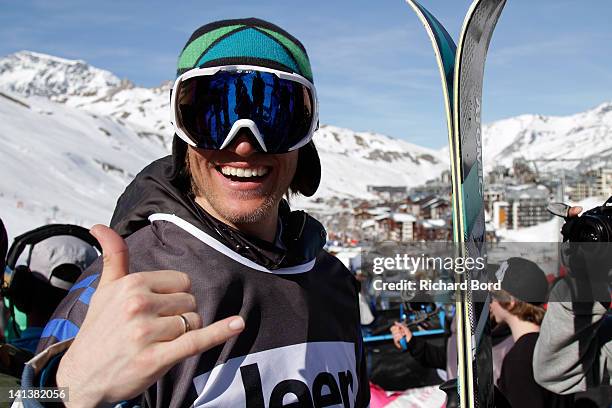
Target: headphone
17,279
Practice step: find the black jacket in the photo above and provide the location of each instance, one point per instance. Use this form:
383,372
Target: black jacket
302,340
517,381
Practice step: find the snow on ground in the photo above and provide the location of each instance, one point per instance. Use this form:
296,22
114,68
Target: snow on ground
61,164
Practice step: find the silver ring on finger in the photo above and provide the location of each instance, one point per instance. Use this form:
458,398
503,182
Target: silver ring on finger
186,325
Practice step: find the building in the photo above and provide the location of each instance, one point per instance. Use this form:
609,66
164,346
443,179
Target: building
499,174
389,226
437,187
429,207
592,183
404,227
524,206
433,230
603,186
500,211
493,194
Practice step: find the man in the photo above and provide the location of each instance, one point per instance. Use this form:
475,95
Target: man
574,351
214,211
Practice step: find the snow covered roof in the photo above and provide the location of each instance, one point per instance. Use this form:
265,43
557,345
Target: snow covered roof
382,217
401,217
379,210
433,223
368,224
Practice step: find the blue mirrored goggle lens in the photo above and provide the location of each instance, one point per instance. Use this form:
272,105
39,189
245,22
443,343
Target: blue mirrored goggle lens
208,106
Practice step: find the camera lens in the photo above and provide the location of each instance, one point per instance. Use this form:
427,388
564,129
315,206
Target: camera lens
590,232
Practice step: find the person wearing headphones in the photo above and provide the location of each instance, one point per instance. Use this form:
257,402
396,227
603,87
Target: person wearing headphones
39,269
37,288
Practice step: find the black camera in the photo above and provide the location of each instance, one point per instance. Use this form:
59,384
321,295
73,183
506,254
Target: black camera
586,244
593,226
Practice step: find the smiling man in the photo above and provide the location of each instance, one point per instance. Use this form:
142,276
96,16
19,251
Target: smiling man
243,307
241,185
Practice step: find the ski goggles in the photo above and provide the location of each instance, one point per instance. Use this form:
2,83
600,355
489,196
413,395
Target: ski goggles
209,106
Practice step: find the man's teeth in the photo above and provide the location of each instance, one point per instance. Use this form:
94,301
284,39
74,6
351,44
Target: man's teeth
242,172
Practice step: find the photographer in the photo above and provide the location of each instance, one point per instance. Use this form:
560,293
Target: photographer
574,350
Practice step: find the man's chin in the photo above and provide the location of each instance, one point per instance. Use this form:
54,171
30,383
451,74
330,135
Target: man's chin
245,217
247,211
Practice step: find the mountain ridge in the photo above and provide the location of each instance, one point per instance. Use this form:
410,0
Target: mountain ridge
104,129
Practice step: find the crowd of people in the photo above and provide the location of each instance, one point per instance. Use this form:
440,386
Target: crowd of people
549,350
211,291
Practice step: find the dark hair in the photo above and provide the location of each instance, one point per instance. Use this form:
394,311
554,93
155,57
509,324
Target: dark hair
523,310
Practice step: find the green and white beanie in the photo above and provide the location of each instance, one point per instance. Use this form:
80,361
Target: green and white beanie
248,41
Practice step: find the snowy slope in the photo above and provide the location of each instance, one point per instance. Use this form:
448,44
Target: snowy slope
78,84
56,156
86,133
353,160
586,136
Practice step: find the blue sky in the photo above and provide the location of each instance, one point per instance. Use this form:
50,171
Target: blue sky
373,64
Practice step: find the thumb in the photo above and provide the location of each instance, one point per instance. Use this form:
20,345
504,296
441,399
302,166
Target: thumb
114,253
574,211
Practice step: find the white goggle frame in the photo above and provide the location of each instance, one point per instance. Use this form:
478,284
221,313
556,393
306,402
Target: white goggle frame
242,123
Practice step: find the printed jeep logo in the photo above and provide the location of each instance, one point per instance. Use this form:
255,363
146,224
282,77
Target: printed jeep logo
327,390
307,375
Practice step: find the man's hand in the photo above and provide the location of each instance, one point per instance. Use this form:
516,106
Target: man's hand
399,331
574,211
133,332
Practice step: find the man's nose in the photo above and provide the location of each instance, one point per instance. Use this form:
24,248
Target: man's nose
244,144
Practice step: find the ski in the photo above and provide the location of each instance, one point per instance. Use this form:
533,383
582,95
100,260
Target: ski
464,94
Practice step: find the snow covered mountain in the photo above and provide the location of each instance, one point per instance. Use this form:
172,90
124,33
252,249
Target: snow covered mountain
34,74
64,164
72,136
586,136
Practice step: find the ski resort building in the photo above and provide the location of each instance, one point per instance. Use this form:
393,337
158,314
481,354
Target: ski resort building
523,206
430,207
594,183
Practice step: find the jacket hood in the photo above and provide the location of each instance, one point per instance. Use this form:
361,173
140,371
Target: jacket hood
162,188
